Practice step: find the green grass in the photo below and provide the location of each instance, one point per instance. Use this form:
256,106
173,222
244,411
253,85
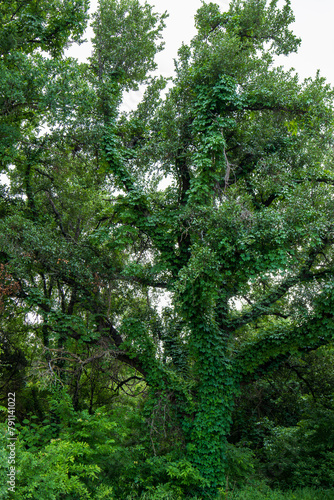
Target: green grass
265,493
255,492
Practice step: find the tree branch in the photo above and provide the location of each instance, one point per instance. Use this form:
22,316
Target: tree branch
58,216
262,307
272,349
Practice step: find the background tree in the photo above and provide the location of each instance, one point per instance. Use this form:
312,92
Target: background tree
29,28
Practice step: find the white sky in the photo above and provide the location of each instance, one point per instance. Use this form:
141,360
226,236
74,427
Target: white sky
313,25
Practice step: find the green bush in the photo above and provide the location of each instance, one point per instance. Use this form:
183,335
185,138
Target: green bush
241,464
303,455
70,466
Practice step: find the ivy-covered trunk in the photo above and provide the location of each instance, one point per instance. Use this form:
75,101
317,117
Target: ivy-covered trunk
216,382
216,390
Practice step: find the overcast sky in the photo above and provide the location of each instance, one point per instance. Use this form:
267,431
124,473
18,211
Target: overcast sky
313,25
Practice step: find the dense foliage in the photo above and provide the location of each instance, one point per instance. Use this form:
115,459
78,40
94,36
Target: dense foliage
166,275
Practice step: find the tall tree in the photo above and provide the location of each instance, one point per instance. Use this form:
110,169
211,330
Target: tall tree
240,242
29,29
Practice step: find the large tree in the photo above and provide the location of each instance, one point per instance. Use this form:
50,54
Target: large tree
29,29
204,284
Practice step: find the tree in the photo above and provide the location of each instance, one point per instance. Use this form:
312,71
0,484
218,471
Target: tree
29,28
240,242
